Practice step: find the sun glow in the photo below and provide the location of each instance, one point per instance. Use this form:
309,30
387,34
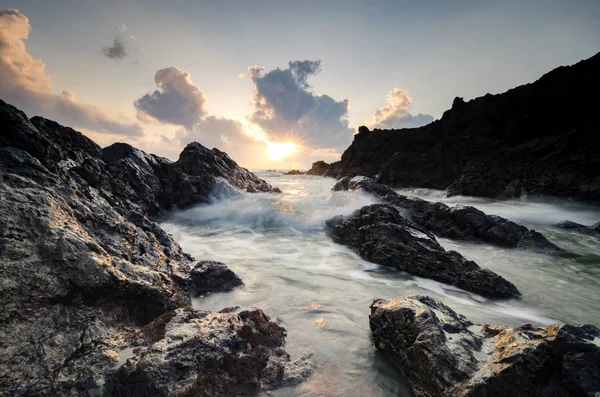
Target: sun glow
280,150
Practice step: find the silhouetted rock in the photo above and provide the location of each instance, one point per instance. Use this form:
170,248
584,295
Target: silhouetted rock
458,222
441,353
381,235
496,145
295,172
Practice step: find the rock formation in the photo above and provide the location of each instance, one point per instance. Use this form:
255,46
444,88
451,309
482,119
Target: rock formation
458,222
441,353
294,172
83,267
523,140
381,235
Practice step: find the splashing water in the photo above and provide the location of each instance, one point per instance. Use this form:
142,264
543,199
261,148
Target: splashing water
321,291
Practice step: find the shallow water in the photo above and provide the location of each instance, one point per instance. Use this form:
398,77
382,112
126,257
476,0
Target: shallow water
321,291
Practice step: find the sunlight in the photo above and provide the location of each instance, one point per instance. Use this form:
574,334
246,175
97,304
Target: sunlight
280,150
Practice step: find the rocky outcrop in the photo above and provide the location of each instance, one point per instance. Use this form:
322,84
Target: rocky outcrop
82,266
294,172
494,146
593,230
197,353
126,177
458,222
319,168
441,353
381,235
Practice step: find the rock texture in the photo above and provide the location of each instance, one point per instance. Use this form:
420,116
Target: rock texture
196,353
496,145
441,353
381,235
458,222
593,230
81,263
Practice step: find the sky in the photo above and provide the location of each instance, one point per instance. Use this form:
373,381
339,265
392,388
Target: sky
276,84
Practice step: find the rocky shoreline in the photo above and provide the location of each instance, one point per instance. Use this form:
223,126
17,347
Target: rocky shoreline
441,353
499,146
96,295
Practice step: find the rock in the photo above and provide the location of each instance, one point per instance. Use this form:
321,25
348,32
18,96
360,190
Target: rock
381,235
197,353
458,222
318,168
210,276
441,353
592,230
499,146
83,267
294,172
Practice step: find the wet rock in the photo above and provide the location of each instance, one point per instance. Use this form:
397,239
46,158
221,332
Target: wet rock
83,267
210,276
458,222
381,235
441,353
592,230
197,353
294,172
493,146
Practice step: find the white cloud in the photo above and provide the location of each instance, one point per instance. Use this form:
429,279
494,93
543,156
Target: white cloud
25,84
396,114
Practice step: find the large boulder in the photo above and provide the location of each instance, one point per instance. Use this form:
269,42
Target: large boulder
592,230
441,353
190,352
83,266
500,145
381,235
458,222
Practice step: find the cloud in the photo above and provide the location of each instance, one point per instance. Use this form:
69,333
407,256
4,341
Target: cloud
397,112
117,50
286,108
179,101
240,75
25,84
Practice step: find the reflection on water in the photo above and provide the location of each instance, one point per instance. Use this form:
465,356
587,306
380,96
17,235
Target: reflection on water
321,291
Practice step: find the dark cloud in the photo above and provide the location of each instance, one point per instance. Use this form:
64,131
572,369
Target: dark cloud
397,112
286,107
118,49
25,84
179,101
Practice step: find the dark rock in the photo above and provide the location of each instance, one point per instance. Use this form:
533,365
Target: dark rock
196,353
592,230
381,235
83,267
458,222
210,276
318,168
494,146
441,353
294,172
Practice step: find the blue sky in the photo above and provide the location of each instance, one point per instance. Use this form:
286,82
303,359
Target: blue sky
431,50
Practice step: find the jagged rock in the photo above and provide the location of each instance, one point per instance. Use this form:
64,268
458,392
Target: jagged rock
294,172
197,353
458,222
381,235
441,353
210,276
82,267
494,146
592,230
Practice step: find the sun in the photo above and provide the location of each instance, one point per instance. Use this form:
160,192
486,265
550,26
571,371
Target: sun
279,150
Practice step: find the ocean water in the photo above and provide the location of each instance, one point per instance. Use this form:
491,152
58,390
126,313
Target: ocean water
321,291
